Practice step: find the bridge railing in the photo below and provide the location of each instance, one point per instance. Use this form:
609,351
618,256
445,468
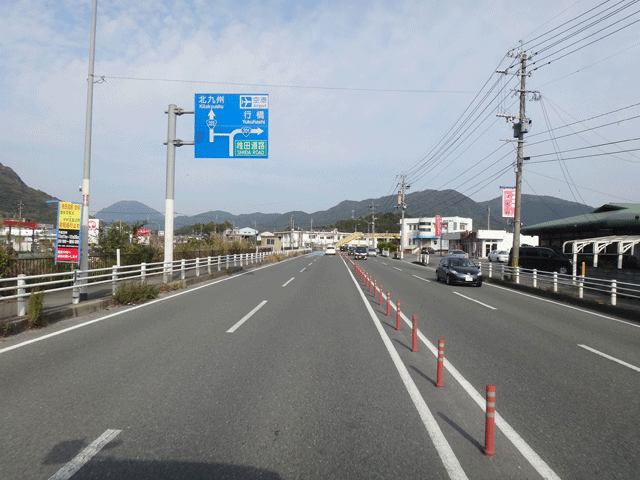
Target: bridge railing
19,288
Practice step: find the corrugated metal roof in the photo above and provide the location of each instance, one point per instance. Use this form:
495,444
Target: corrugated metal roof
622,217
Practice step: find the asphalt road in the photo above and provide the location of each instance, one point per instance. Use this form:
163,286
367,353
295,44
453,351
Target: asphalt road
293,371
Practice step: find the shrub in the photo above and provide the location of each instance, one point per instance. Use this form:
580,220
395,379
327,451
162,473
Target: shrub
170,287
134,293
34,312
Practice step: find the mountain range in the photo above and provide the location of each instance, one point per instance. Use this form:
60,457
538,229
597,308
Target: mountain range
425,203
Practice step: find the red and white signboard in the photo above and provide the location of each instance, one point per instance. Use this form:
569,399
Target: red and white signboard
438,225
508,203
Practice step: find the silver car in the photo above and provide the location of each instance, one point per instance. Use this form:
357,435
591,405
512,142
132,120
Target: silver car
498,256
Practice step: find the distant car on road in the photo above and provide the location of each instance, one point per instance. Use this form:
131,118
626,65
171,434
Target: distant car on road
351,250
427,251
458,270
498,256
330,250
372,252
458,253
360,253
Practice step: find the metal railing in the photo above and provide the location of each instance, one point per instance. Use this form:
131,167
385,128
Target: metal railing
20,287
576,284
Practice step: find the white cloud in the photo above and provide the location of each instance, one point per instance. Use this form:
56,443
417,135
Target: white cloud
347,139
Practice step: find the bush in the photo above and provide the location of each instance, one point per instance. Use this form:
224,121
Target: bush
34,310
134,293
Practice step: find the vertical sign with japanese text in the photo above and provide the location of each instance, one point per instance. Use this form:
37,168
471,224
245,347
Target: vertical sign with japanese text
508,203
68,241
438,225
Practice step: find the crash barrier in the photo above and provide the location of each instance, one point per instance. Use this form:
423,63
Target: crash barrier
489,449
19,288
554,280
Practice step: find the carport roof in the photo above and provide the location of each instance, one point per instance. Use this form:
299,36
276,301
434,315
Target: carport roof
621,218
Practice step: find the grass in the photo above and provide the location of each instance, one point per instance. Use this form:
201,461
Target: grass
134,293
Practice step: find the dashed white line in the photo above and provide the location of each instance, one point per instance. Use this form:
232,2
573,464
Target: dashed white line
423,279
303,269
632,367
474,300
246,317
383,263
85,455
398,269
288,281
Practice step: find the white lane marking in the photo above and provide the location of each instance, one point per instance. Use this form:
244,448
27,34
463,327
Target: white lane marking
632,367
288,281
143,305
564,305
474,300
523,447
303,269
423,279
449,459
383,263
85,455
397,269
246,317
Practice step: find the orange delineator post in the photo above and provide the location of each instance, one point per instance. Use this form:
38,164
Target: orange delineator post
490,421
398,316
375,288
380,296
439,382
414,334
388,303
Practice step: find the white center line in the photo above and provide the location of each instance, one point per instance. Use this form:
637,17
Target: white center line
474,300
423,279
84,456
383,263
632,367
246,317
303,269
397,269
288,281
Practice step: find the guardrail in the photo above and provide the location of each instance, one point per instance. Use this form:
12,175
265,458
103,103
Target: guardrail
554,280
20,288
577,283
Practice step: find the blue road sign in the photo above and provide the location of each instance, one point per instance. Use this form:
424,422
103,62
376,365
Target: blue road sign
231,125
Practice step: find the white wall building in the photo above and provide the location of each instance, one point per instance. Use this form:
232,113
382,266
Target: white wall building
421,232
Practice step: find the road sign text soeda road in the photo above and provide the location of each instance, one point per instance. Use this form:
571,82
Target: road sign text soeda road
231,125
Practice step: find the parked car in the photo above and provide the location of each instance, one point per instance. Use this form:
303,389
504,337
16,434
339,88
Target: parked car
372,252
427,251
543,259
458,270
458,253
498,256
360,253
330,250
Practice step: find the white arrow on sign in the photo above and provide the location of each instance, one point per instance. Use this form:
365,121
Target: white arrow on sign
211,123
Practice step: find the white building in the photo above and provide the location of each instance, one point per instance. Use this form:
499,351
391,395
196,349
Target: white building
421,232
480,243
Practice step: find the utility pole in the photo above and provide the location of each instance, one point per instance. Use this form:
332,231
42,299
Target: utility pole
372,207
402,205
488,218
20,205
519,129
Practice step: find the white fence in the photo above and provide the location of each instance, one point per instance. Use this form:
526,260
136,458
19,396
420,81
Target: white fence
19,288
575,284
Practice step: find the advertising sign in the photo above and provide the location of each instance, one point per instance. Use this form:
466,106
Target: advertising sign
231,125
508,203
94,231
68,240
438,225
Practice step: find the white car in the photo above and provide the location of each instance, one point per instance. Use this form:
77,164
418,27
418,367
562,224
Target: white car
498,256
372,252
330,250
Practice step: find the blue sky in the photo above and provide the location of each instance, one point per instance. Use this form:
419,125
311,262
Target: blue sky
360,92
